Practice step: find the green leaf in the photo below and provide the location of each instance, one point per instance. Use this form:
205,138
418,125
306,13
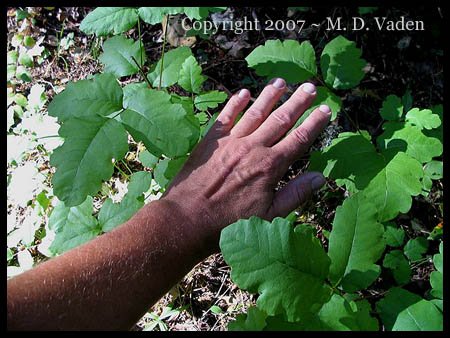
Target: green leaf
109,20
25,59
191,78
113,214
392,108
409,139
341,63
20,100
100,95
209,100
288,268
164,127
73,226
129,90
186,101
323,96
167,169
432,170
23,74
173,60
394,302
356,243
415,248
437,132
423,119
92,143
253,320
287,59
9,254
391,189
118,54
436,277
420,316
397,262
12,57
393,236
147,159
341,315
351,159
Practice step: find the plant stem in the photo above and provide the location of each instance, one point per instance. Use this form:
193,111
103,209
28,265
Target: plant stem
140,39
121,171
142,72
120,112
126,166
162,55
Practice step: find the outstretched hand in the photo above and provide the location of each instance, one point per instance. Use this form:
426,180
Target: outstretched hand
233,171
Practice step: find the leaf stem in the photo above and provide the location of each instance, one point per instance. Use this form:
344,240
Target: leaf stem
126,166
142,72
163,49
121,171
140,38
120,112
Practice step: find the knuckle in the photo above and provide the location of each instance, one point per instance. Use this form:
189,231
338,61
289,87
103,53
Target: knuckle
256,114
283,120
267,165
302,135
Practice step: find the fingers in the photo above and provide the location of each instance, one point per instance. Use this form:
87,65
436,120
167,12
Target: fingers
295,193
283,118
227,116
260,109
301,138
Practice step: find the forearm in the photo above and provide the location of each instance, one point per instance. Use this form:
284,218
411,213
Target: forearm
111,281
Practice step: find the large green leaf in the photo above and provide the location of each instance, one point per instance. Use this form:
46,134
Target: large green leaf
113,214
356,243
391,189
424,119
85,158
191,78
209,100
118,54
439,131
73,226
109,20
164,127
100,95
288,268
341,63
420,316
404,137
437,277
154,15
395,301
392,108
288,59
171,66
351,159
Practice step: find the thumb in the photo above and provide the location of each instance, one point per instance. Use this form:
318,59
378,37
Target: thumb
295,193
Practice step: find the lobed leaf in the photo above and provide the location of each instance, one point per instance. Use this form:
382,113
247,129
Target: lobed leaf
85,158
100,95
287,59
118,54
397,262
191,78
424,119
109,20
341,63
356,243
209,100
164,127
287,268
392,108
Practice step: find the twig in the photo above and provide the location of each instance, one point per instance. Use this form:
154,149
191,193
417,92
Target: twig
163,52
142,72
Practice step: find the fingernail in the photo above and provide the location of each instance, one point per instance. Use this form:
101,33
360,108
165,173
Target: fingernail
279,83
317,182
308,88
324,109
244,93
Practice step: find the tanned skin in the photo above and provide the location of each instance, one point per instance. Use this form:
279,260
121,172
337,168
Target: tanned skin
111,281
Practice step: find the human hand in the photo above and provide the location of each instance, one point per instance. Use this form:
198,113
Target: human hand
232,173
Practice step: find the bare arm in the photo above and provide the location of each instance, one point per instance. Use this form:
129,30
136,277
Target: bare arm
110,282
